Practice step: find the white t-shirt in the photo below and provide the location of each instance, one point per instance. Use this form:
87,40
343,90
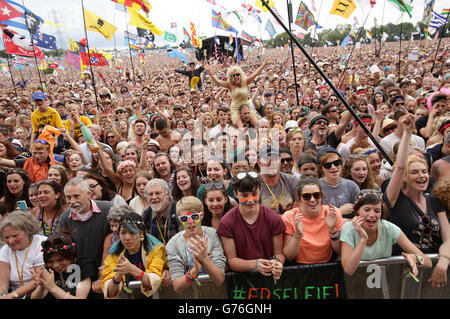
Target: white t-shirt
34,258
344,149
216,130
389,141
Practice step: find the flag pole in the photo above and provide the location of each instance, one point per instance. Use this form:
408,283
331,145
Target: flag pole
428,27
129,49
34,51
354,45
315,27
381,29
327,80
9,66
400,48
439,44
89,55
289,8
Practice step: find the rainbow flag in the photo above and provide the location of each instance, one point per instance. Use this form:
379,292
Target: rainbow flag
445,12
305,18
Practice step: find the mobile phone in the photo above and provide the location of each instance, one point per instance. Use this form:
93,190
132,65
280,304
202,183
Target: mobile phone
22,205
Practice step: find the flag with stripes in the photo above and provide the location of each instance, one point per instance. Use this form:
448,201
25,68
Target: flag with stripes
247,38
305,18
369,34
445,12
436,20
173,25
186,34
270,29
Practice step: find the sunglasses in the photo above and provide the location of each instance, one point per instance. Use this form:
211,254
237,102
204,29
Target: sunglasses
120,112
427,225
286,160
91,187
399,104
235,75
194,217
244,174
321,123
335,110
39,140
214,185
336,163
111,136
307,196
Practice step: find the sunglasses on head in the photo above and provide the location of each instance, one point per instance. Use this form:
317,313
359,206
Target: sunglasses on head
336,163
39,140
194,217
214,185
244,174
307,196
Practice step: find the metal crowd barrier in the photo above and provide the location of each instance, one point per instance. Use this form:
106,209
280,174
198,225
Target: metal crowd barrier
376,279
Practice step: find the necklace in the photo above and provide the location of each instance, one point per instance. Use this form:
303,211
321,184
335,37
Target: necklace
20,274
275,201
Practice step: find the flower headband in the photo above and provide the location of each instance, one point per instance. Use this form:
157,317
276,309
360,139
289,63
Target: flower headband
56,249
123,164
367,192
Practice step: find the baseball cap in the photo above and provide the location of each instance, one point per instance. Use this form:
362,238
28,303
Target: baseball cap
38,96
290,124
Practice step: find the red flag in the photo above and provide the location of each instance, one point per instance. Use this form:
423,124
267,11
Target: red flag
8,12
17,44
96,59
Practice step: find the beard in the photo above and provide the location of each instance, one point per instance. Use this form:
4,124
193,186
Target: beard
78,208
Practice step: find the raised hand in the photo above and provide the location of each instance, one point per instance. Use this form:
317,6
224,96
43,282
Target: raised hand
331,218
357,222
298,225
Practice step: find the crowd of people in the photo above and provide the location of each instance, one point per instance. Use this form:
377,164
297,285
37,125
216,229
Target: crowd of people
222,166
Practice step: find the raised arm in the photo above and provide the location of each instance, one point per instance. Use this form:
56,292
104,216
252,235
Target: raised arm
214,77
395,184
252,77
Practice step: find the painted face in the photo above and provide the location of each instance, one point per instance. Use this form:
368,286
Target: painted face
190,221
248,200
129,240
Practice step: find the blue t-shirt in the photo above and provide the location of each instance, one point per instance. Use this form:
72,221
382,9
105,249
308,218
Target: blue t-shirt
388,234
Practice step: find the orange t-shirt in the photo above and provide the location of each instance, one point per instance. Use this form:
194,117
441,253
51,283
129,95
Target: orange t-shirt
315,246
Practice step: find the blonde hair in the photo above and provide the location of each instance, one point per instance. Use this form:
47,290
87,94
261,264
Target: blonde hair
189,204
237,69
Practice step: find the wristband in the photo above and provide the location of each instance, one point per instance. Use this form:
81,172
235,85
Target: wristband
335,236
140,276
256,265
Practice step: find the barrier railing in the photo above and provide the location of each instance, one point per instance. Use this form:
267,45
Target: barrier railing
376,279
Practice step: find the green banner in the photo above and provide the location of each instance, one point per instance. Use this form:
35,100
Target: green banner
169,37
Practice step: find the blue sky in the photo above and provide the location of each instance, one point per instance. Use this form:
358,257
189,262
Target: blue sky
69,13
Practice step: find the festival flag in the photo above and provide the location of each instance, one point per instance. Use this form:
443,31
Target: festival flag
138,20
343,8
16,43
445,12
402,6
135,4
313,6
346,41
305,18
146,36
72,58
73,45
173,25
219,23
8,12
97,24
259,4
172,53
170,37
270,29
96,59
129,35
238,53
372,3
194,40
247,38
384,37
300,35
45,41
369,34
436,20
186,34
251,11
27,20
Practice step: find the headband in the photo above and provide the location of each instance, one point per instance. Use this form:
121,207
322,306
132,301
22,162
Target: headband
364,120
361,91
443,128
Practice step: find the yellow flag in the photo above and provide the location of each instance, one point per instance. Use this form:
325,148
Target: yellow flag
263,7
97,24
138,20
73,45
343,8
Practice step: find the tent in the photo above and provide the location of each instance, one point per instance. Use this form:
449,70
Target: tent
208,49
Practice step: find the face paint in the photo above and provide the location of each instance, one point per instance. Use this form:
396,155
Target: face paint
193,217
244,201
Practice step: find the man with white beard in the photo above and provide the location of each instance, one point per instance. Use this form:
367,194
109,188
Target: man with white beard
86,221
160,216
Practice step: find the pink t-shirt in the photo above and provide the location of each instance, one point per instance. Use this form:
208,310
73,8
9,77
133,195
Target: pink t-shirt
315,246
252,241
